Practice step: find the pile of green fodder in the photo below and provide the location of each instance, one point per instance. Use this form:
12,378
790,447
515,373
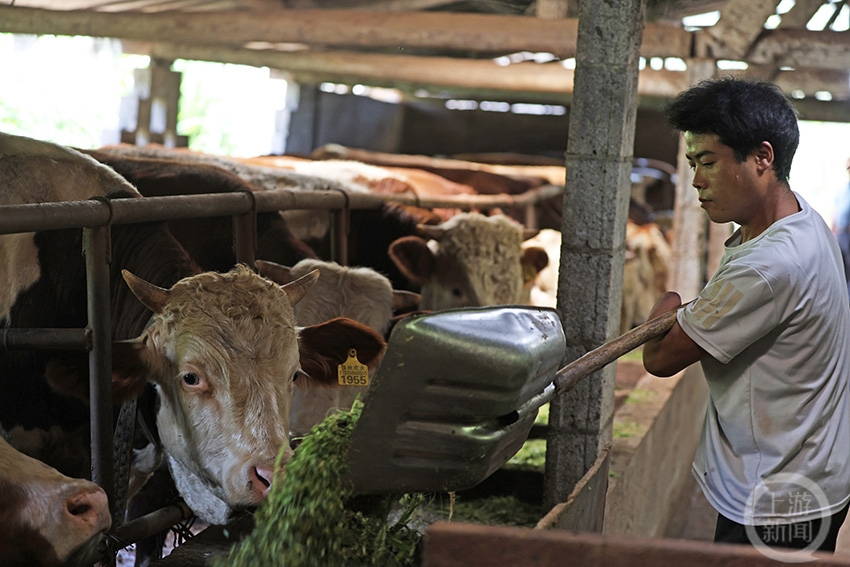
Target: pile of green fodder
496,510
311,517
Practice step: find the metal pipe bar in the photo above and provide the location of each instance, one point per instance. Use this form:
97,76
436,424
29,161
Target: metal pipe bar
245,233
32,217
45,339
47,216
174,207
138,529
339,219
97,250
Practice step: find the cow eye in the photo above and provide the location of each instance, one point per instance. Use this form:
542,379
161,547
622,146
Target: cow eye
457,292
298,374
191,379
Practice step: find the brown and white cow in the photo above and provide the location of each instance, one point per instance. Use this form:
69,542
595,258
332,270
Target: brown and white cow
46,518
222,350
359,293
470,260
645,271
208,240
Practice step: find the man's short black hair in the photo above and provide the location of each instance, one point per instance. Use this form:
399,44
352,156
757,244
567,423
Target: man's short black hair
743,113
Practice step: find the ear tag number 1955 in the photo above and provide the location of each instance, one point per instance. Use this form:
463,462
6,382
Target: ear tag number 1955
352,372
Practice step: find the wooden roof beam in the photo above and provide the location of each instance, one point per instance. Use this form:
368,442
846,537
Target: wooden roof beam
741,22
482,33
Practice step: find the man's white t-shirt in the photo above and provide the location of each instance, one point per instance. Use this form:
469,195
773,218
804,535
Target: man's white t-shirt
775,321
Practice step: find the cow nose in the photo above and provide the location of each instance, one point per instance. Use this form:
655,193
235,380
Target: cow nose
88,511
261,481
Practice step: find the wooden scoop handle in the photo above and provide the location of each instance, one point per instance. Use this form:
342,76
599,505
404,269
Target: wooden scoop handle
567,377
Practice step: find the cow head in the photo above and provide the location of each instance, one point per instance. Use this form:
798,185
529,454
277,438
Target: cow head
46,518
359,293
470,260
356,292
224,354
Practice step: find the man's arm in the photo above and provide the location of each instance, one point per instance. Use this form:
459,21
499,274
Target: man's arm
674,351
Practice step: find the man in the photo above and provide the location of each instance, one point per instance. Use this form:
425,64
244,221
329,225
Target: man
771,328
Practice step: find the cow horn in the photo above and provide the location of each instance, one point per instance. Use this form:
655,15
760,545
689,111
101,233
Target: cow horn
430,231
277,273
153,297
405,299
529,233
297,289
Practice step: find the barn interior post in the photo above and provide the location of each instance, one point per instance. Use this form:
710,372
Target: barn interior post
687,267
157,92
599,157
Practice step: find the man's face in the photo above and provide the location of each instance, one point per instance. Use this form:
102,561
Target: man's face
728,190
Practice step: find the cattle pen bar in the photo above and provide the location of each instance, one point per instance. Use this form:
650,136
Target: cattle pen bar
96,215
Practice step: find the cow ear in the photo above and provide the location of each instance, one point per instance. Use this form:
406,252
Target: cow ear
129,369
153,297
296,290
533,260
69,376
405,300
413,257
277,273
325,346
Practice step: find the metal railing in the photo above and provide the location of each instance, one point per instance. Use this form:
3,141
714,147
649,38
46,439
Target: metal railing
96,216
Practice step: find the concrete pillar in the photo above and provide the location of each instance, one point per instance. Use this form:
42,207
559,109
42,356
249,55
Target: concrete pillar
304,111
599,157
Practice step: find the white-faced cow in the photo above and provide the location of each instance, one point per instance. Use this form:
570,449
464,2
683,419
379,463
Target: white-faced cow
222,350
46,518
471,260
359,293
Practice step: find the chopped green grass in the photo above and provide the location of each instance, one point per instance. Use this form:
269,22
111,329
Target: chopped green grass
492,511
312,518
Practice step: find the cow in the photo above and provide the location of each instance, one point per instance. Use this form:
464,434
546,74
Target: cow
483,178
646,267
372,232
542,290
645,271
383,180
47,519
359,293
209,240
221,350
470,260
305,224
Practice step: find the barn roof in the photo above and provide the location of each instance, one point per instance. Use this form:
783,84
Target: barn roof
517,48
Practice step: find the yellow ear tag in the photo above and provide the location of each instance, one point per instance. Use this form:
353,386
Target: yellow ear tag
352,372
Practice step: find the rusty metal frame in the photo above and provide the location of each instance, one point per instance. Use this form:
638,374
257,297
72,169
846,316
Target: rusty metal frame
95,217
